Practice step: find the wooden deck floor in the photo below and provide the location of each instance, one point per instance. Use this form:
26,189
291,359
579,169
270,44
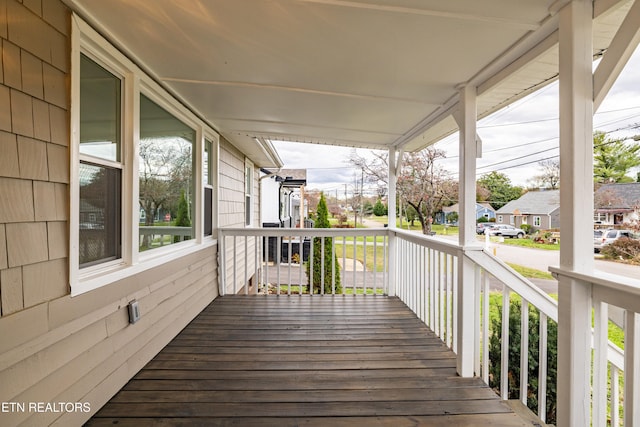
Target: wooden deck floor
305,361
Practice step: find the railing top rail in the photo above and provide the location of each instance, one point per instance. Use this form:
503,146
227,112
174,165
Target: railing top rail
450,248
514,281
606,280
304,232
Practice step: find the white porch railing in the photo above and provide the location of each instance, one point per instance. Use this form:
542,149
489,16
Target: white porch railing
424,273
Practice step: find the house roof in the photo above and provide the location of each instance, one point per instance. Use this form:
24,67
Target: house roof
456,207
619,196
354,73
532,203
288,177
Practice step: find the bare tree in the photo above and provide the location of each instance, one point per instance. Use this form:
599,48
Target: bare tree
550,176
421,184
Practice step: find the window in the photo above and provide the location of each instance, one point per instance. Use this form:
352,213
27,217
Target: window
500,218
248,193
141,178
100,168
512,219
165,164
207,180
537,221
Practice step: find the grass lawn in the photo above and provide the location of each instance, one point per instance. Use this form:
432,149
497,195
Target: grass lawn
528,243
359,255
531,273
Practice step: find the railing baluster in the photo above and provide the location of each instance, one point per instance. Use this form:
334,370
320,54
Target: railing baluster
600,362
375,264
290,259
442,300
631,369
246,266
322,264
477,276
333,267
432,292
344,263
454,302
266,265
542,368
485,327
235,263
364,267
301,264
311,252
354,266
278,263
504,343
615,396
524,351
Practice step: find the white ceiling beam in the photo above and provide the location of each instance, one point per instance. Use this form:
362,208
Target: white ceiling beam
622,46
444,111
529,56
307,91
428,12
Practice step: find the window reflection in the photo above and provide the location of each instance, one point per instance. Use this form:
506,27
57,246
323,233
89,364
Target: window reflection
165,177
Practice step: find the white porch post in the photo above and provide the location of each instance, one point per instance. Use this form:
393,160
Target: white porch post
467,201
391,217
576,212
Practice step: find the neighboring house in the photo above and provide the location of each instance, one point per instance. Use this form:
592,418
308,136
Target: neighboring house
539,209
483,210
88,141
280,195
617,204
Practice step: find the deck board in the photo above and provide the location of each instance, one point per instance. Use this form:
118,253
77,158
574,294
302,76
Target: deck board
313,361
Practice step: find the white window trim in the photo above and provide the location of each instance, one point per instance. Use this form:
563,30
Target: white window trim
87,41
500,219
538,220
248,164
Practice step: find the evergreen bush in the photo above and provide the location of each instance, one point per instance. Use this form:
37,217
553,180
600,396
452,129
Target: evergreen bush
315,282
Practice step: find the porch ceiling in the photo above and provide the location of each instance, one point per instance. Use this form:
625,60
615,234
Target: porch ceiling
362,73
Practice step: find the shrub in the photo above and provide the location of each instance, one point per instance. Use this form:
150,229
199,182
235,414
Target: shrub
526,228
182,218
315,282
379,209
623,248
482,219
514,356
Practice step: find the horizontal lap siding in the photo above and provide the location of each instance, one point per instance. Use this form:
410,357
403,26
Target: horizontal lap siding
232,214
55,348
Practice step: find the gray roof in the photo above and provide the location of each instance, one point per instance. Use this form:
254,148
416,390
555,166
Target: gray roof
534,202
623,196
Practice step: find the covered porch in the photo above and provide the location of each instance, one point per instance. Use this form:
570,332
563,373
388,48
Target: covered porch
328,72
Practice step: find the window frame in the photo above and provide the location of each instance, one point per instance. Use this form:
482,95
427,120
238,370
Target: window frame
249,178
537,221
134,82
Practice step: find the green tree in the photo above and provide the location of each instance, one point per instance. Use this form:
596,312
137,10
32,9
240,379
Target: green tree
500,189
325,264
182,218
379,209
613,158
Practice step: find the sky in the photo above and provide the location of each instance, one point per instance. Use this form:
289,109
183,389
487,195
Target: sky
514,139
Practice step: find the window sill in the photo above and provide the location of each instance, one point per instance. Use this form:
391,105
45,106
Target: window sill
98,278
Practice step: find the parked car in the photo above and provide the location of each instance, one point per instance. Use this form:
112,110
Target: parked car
506,231
602,238
481,226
